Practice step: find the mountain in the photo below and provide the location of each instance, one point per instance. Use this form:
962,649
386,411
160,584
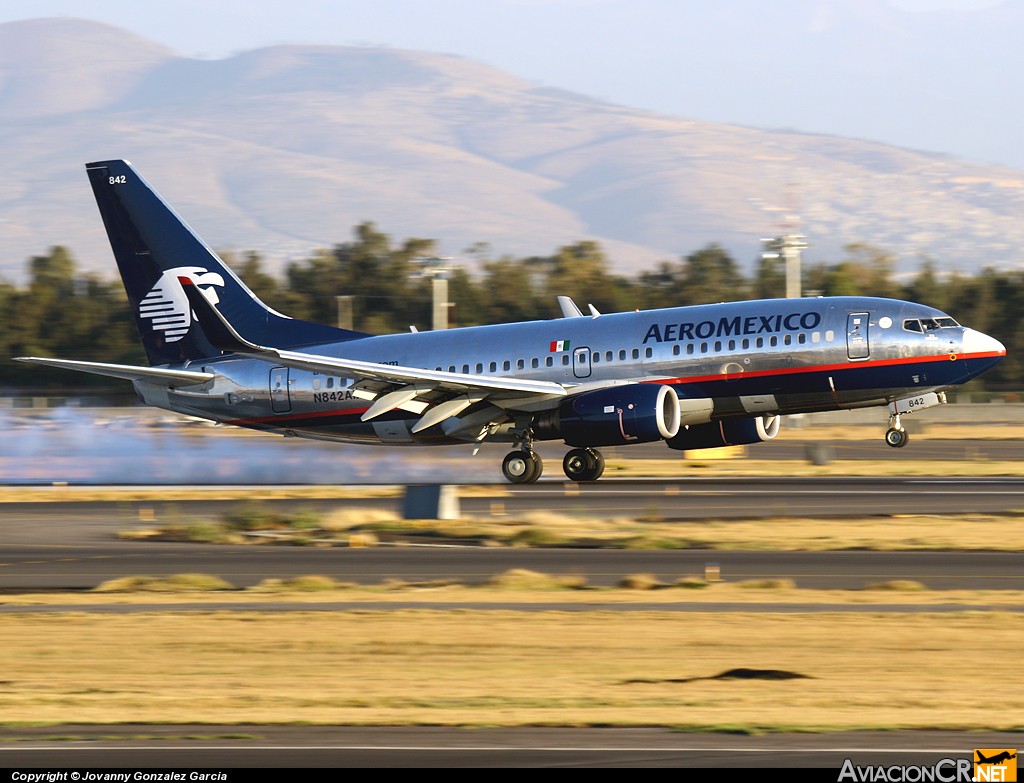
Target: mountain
284,149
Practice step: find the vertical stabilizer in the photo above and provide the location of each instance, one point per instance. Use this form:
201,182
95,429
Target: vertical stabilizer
154,248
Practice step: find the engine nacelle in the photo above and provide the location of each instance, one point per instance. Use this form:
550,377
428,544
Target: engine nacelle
636,413
727,432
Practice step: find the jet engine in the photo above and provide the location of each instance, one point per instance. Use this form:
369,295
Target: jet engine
726,432
633,413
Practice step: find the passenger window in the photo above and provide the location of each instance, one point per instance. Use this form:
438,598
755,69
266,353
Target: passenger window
830,336
675,349
718,346
565,360
506,365
635,353
703,347
465,369
773,341
622,356
689,349
745,344
451,368
801,338
535,362
595,358
520,364
732,345
550,361
316,382
479,368
330,381
608,356
815,337
787,339
492,367
648,352
760,342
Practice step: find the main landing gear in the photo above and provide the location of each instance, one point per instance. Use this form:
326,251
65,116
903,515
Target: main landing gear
525,465
583,464
522,467
896,436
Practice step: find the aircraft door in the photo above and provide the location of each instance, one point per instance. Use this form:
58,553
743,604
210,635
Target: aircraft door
581,362
280,395
858,345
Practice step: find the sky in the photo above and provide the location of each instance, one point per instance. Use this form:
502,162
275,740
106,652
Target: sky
630,52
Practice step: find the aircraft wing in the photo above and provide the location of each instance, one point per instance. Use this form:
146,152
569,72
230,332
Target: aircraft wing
126,371
397,374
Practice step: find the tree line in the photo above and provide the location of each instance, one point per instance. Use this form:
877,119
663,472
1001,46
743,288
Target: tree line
64,312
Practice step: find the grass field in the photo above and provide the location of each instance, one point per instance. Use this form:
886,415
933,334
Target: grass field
473,668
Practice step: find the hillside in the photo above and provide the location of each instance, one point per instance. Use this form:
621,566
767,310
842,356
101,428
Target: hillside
284,149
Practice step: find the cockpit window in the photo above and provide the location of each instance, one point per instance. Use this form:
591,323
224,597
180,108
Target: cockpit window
929,324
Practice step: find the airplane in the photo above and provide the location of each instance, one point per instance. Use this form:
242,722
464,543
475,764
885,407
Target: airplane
693,377
999,757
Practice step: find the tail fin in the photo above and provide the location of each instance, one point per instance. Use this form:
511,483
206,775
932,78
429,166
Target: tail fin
154,247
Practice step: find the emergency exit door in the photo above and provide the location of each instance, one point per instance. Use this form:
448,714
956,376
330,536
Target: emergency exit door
280,395
858,345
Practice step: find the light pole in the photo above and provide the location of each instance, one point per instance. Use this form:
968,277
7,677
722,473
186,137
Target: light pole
437,268
788,248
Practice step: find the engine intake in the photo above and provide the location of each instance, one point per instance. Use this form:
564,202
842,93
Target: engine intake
726,432
635,413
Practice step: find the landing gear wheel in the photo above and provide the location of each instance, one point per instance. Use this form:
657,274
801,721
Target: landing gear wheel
583,464
896,438
522,467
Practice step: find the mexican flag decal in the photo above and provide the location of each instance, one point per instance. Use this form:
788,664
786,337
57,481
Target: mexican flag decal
559,345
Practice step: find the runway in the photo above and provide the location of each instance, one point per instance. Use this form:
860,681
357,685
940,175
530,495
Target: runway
73,545
676,498
166,747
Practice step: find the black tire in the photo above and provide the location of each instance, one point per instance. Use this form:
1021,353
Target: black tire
896,438
522,467
583,465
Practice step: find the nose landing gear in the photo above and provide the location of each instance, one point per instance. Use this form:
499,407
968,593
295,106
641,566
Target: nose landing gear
896,436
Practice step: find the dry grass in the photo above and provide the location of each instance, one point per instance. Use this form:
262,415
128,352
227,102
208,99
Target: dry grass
507,668
178,583
1002,531
524,579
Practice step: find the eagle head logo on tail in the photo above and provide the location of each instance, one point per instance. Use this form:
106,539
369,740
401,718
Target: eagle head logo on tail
166,305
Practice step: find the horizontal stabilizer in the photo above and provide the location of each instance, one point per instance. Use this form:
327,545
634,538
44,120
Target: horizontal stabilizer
128,372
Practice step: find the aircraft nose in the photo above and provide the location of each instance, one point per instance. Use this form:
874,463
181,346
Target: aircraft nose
980,344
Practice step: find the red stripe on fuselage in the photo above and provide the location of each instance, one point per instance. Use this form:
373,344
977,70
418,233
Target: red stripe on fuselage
294,416
851,365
